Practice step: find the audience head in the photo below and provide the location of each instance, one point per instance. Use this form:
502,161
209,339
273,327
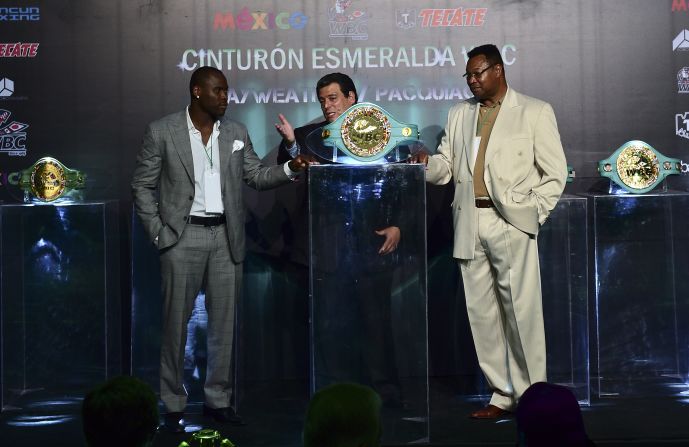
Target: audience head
343,415
122,412
549,415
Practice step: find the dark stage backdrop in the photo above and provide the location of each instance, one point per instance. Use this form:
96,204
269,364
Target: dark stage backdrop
86,76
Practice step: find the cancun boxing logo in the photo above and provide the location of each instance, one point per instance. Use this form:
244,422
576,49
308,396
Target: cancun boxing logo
20,14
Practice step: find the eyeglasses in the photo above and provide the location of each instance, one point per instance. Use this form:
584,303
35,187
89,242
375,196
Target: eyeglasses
477,74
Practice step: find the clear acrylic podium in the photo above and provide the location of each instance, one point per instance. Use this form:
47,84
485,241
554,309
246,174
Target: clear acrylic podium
60,302
369,311
563,253
640,291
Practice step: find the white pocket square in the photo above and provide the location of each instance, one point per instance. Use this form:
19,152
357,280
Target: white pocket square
237,145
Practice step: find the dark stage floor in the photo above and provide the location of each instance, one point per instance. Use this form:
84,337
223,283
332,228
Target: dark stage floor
274,413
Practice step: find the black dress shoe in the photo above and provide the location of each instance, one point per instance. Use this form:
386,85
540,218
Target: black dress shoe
224,415
173,422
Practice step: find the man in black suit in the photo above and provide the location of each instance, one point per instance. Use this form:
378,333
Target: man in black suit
370,238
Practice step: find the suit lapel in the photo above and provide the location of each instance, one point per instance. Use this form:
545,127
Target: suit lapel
180,138
469,132
501,127
225,142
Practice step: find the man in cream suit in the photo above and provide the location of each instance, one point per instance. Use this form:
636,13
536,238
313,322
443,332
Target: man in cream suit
503,151
187,189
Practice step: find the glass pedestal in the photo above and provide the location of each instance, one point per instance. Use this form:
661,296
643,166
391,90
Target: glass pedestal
640,260
369,309
562,244
60,330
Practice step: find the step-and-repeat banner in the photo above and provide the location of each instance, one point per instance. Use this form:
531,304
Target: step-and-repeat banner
79,80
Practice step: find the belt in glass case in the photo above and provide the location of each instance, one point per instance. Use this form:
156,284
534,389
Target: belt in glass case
366,132
638,167
48,179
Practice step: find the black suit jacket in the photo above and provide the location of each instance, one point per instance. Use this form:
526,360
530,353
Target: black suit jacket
360,236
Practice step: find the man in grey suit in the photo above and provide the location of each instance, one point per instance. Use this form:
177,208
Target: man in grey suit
187,189
503,151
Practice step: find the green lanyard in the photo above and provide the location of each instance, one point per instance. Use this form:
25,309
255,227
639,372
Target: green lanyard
205,149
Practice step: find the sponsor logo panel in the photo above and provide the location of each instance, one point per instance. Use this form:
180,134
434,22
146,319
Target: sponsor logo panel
20,13
19,49
8,91
12,135
441,17
680,6
6,87
681,42
683,80
405,18
246,20
347,21
682,125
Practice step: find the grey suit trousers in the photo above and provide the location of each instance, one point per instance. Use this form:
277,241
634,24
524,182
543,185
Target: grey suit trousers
199,260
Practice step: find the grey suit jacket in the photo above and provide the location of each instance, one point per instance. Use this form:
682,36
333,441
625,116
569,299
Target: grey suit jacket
525,167
163,181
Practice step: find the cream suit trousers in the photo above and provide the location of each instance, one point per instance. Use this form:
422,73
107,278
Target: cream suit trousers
503,295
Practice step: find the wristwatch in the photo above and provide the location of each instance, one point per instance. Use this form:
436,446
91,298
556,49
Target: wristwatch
366,132
637,167
571,174
48,179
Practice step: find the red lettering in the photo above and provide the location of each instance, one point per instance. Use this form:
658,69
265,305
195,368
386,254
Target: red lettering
480,16
447,15
457,18
33,49
437,17
469,14
426,15
14,50
223,21
679,5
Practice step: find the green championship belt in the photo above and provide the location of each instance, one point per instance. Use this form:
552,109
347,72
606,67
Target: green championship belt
637,167
207,438
366,132
48,179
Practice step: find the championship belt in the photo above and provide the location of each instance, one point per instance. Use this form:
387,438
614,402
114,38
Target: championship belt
637,167
571,174
366,132
48,179
207,438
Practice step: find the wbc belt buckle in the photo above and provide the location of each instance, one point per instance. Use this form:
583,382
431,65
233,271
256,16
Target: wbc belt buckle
366,132
637,167
48,179
207,437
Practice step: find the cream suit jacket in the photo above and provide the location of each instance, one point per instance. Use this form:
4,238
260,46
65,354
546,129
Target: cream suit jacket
525,166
